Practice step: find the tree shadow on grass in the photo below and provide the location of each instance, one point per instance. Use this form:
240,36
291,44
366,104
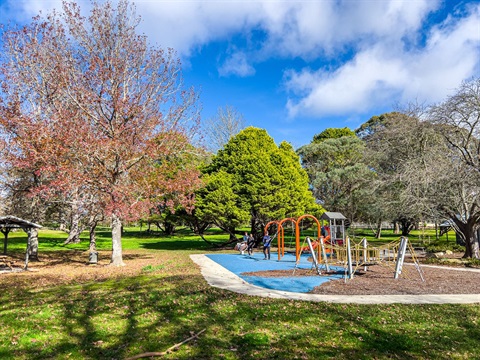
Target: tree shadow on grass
180,245
128,316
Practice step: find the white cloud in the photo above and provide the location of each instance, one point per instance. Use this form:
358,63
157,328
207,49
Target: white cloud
237,64
382,37
291,28
369,78
384,73
310,29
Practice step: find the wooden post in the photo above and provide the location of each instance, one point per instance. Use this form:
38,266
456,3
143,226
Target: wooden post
364,243
5,232
28,251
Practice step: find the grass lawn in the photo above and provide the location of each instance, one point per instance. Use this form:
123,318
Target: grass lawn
70,310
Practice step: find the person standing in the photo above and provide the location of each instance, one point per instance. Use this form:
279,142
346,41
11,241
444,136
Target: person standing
266,246
250,244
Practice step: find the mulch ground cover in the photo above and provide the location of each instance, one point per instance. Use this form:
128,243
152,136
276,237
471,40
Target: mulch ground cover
379,280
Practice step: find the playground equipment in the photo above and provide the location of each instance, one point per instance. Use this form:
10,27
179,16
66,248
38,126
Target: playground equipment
336,227
332,247
352,256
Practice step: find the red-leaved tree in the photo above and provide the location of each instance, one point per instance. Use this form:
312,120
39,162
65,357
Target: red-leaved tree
95,110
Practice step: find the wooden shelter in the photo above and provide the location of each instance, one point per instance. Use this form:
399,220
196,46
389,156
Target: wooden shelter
7,223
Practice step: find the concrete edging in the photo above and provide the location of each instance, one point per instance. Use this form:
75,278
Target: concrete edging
218,276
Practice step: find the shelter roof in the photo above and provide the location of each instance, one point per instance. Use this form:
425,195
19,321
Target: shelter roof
13,222
332,216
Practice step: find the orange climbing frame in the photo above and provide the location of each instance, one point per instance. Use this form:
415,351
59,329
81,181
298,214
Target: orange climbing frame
297,234
281,236
296,222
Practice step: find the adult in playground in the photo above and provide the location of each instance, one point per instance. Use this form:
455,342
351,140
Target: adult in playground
267,240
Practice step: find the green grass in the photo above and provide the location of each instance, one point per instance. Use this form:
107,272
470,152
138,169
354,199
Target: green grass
168,300
52,240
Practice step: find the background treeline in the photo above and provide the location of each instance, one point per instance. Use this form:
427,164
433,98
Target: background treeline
96,126
405,167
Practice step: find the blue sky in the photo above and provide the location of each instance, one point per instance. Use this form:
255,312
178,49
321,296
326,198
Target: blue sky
296,68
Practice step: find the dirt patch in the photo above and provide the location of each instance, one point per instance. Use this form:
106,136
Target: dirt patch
72,267
379,280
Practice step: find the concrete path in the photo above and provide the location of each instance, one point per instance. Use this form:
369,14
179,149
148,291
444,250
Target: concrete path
217,276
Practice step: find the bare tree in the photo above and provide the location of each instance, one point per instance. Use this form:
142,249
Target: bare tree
223,126
458,119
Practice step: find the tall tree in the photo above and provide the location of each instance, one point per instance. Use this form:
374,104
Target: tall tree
333,133
376,123
458,119
253,179
421,176
337,173
400,144
91,105
459,116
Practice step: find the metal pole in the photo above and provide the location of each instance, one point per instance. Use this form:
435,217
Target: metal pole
400,257
314,257
349,259
324,253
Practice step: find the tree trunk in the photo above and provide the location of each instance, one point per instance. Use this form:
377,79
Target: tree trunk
169,228
406,226
117,259
469,230
74,233
396,227
378,233
93,238
32,244
472,249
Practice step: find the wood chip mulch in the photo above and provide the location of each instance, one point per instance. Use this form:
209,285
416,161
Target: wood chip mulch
379,280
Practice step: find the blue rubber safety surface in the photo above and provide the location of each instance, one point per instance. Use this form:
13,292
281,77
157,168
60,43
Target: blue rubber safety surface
239,264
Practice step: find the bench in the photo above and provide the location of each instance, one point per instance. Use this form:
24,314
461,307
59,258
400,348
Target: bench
5,261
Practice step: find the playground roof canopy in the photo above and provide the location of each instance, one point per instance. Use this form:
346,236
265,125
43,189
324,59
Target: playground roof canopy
13,222
332,216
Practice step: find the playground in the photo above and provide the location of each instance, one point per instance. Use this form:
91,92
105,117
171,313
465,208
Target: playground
444,285
331,264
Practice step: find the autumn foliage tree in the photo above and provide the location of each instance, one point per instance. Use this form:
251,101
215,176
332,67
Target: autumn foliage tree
94,109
